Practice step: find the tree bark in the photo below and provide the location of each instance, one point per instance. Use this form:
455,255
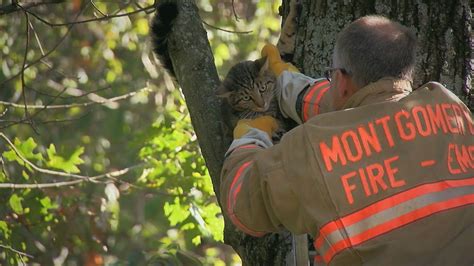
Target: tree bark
196,74
445,41
444,54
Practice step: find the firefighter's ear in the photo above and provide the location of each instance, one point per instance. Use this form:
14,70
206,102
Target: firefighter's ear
344,84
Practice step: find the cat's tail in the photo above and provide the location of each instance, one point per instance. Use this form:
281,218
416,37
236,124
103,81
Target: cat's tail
161,27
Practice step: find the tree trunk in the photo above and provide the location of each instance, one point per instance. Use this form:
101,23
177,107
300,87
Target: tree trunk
445,41
444,54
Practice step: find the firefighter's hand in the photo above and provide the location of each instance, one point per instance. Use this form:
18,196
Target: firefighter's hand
275,63
266,123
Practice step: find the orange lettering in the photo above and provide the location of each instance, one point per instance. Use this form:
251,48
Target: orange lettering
458,118
353,157
333,154
386,130
375,173
406,136
420,110
348,188
363,178
369,140
452,147
391,171
464,158
436,118
451,120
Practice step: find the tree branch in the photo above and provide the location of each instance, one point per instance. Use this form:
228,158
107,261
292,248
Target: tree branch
221,29
57,173
14,7
64,106
22,254
106,17
46,54
193,63
93,179
196,73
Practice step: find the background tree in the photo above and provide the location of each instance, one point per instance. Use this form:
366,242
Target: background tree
99,161
444,54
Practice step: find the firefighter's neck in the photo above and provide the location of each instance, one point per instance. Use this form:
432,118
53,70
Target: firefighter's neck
343,87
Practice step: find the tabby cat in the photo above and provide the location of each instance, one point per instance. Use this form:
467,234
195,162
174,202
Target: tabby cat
249,88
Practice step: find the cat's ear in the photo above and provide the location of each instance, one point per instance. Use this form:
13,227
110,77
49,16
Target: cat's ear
262,64
222,92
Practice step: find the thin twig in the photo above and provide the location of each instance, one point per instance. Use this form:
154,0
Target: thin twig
68,120
72,96
48,53
63,106
16,251
81,178
30,120
23,83
145,9
14,7
4,113
4,171
41,170
93,179
37,38
221,29
235,13
98,10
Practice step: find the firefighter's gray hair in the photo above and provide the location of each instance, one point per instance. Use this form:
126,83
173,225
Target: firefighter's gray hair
374,47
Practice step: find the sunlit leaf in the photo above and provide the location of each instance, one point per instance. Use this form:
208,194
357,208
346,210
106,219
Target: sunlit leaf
26,149
4,229
142,26
176,212
15,203
196,240
59,162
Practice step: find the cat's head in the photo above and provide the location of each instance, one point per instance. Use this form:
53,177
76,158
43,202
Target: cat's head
249,86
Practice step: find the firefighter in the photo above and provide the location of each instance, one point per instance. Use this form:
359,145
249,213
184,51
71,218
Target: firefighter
376,172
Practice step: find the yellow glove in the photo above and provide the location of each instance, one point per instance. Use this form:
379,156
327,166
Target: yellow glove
276,65
266,123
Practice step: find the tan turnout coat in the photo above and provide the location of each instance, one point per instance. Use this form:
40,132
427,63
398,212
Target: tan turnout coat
387,181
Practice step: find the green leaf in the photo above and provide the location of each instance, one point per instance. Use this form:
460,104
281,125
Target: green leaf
196,240
26,149
3,178
25,175
176,212
142,26
15,204
68,165
222,51
47,205
214,221
4,229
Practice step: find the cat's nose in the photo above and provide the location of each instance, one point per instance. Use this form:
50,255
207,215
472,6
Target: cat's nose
259,102
262,108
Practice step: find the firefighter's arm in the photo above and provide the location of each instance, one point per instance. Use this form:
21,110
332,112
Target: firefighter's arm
255,192
301,97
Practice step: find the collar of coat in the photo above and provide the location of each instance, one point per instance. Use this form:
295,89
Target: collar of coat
383,90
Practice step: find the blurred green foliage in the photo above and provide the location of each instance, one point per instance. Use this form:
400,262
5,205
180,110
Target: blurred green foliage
161,211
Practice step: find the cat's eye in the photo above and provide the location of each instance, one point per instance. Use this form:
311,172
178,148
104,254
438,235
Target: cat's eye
262,89
245,97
